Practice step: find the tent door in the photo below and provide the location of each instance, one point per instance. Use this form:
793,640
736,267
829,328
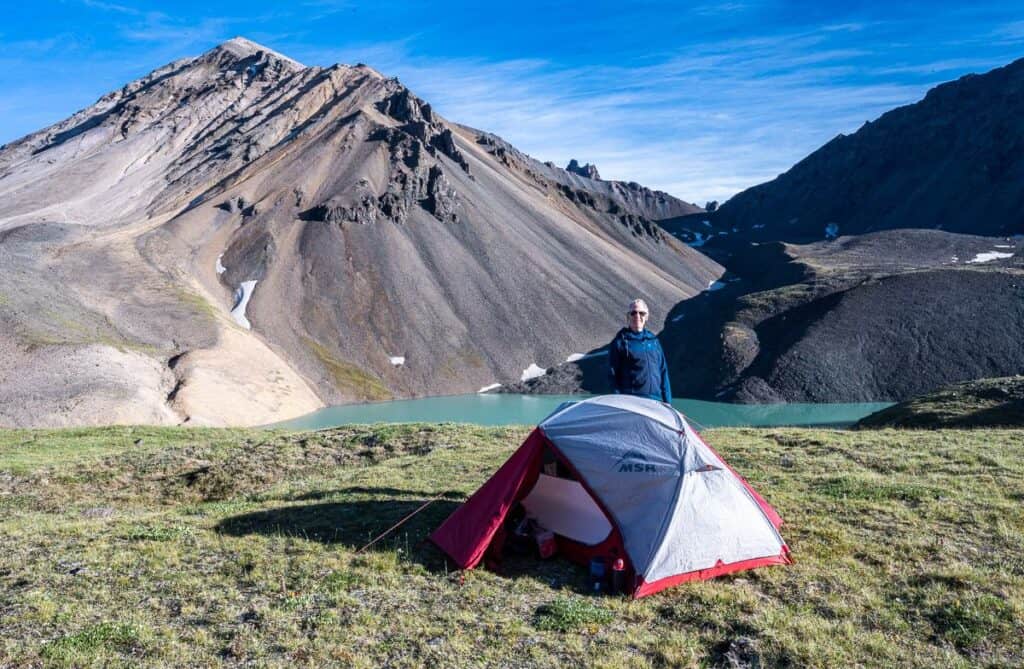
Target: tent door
566,508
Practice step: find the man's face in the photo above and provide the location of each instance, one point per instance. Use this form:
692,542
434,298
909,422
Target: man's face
637,317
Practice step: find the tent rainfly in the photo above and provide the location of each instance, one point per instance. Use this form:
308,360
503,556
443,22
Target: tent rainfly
618,476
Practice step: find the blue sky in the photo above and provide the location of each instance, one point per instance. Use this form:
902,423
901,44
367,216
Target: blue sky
700,99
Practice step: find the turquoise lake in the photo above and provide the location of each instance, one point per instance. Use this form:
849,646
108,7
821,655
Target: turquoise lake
500,409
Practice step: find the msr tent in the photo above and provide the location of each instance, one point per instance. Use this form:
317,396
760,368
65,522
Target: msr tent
627,477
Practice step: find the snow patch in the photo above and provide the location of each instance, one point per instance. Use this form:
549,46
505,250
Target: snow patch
1005,246
397,360
699,239
220,267
242,295
490,387
573,357
989,257
532,372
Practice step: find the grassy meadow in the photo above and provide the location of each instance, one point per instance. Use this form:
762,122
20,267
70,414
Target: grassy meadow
201,547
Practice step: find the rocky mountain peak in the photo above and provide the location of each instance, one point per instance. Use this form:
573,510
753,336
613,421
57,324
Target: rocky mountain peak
242,49
589,171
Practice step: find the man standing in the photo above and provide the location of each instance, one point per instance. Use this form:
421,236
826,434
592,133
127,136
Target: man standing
637,362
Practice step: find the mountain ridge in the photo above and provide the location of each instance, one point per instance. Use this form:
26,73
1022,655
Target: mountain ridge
919,165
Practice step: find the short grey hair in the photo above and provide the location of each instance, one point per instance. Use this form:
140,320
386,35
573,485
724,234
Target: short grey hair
638,302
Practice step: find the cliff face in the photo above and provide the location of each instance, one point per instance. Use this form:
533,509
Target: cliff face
236,238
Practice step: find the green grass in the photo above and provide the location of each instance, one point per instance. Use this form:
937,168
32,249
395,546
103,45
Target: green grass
105,640
199,547
197,304
349,379
566,614
982,403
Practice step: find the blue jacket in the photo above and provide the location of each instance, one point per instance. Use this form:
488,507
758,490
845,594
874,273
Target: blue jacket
637,365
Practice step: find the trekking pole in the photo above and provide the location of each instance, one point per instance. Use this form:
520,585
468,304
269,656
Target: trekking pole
401,522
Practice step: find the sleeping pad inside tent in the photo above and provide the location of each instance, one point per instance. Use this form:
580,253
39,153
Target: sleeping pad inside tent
618,476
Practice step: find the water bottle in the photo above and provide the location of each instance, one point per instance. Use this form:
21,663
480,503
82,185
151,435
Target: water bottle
597,574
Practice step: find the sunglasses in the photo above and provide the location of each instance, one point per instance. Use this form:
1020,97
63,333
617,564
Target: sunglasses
638,313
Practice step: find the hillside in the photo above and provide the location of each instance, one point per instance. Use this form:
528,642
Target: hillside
876,317
953,161
983,403
236,239
156,546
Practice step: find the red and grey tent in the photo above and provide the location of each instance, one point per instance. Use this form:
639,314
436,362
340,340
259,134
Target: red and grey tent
636,482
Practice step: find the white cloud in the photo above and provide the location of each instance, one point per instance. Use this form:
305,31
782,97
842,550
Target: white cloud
701,125
158,27
702,122
1013,31
111,7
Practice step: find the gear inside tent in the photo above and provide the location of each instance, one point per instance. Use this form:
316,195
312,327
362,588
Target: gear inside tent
618,477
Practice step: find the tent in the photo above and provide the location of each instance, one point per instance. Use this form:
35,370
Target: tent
618,476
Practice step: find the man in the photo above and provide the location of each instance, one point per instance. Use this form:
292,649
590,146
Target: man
637,362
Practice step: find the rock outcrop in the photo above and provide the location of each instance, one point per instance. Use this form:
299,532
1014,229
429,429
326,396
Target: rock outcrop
589,171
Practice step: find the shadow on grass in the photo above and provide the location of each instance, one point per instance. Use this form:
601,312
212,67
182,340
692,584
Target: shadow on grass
555,571
355,524
313,495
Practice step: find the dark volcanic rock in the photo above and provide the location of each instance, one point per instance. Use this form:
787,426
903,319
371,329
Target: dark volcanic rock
441,200
364,211
896,337
588,375
953,161
871,317
589,171
420,123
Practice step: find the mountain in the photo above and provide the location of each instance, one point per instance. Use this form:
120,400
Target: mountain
236,238
953,161
851,277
